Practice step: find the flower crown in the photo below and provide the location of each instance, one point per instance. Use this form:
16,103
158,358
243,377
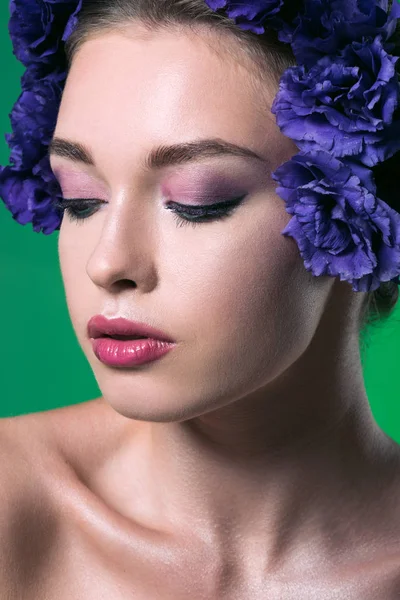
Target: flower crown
340,105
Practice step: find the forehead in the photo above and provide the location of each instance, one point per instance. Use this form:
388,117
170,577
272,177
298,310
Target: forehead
125,92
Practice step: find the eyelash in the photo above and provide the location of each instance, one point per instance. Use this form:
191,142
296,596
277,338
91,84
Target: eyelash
195,214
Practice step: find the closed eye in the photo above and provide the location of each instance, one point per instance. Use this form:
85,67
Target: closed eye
79,209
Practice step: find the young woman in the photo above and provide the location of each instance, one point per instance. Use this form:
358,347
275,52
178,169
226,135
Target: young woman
233,453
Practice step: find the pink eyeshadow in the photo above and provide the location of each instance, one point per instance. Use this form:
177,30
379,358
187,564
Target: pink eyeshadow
76,184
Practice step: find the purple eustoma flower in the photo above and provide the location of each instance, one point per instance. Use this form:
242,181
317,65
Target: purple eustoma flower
326,26
28,187
340,226
396,9
250,15
33,118
344,104
37,28
72,22
29,195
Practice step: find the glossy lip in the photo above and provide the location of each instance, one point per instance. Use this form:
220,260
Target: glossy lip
99,326
129,353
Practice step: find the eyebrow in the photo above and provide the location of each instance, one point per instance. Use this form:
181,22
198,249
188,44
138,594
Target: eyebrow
160,156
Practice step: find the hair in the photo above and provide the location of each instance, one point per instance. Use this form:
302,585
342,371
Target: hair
270,58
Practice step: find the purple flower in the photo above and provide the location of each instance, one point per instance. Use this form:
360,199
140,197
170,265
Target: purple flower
325,26
33,119
37,28
396,9
340,226
344,104
72,22
28,186
248,15
29,195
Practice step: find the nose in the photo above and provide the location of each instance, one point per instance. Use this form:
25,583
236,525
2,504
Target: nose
125,251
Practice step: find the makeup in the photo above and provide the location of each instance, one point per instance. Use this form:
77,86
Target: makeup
200,186
129,353
75,183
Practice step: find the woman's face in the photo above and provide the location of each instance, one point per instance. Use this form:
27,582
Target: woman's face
232,292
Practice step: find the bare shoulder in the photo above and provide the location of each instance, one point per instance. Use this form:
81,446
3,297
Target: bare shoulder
46,452
33,448
27,518
41,455
73,435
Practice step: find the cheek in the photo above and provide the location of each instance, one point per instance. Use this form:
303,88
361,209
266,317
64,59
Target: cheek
233,266
73,251
249,293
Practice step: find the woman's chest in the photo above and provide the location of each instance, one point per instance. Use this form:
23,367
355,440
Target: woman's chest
83,569
81,549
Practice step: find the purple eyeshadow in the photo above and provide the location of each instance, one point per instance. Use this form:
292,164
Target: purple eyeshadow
200,190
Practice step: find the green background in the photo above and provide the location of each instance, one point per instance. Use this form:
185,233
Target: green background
42,364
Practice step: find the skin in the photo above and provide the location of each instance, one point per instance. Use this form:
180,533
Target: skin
251,446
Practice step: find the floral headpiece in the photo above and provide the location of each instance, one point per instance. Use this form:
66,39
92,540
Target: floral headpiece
340,105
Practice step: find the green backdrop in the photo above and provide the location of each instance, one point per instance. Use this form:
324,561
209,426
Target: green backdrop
42,365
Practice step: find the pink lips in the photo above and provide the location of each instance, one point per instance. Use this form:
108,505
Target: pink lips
100,326
149,345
